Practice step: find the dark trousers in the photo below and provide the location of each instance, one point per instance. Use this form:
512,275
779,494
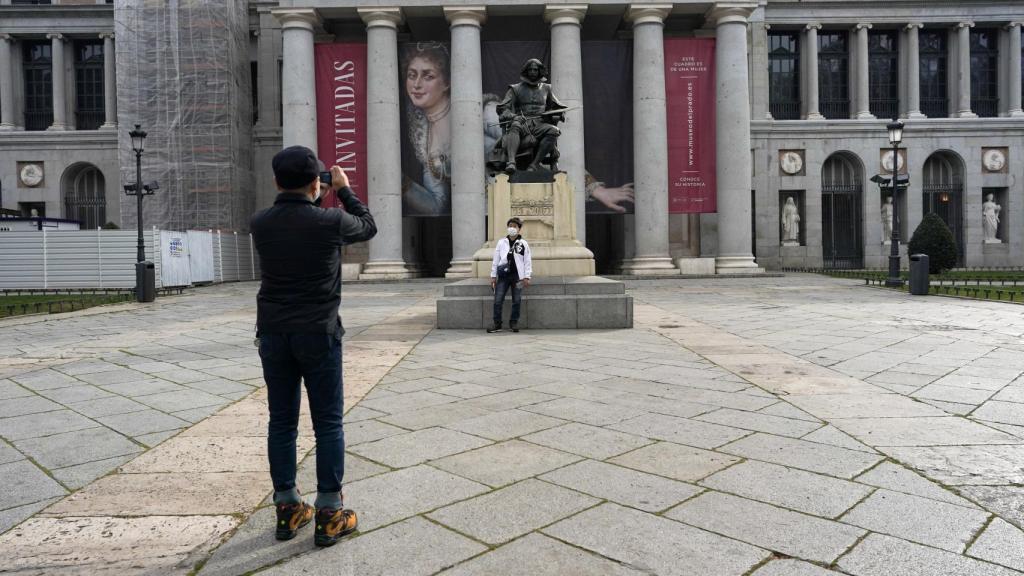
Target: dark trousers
316,359
500,289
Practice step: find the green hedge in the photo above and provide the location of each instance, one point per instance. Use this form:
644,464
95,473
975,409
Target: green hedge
934,238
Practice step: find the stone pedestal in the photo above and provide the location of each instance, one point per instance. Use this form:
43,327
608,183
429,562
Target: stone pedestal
790,243
549,225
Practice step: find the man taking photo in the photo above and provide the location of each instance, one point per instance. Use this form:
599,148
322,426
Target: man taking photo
299,333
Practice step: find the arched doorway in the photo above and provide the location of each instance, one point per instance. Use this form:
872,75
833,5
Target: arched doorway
842,185
944,194
85,196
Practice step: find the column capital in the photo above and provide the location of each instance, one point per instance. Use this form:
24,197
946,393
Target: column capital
6,36
388,17
55,36
730,12
305,18
813,26
105,35
1012,25
863,25
569,14
466,15
649,13
967,24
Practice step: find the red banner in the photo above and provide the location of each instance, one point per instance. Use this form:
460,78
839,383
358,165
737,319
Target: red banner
341,112
690,99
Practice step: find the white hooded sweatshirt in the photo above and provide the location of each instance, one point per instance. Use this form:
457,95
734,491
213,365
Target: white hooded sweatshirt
524,262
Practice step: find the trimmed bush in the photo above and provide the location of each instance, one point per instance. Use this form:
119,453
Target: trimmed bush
110,226
934,238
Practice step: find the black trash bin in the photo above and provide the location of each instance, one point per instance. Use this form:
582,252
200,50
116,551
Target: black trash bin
145,282
919,274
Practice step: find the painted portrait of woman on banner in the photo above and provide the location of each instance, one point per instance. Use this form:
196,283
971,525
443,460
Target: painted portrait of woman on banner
426,134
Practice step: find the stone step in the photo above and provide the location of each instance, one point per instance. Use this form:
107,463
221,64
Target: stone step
546,286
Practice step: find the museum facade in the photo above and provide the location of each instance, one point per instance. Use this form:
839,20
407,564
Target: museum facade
700,137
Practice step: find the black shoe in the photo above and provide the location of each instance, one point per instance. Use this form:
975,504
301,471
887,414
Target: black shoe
494,328
514,326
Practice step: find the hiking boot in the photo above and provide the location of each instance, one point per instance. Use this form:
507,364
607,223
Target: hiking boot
514,326
496,327
332,525
291,517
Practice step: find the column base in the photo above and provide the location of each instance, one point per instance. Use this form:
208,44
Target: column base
7,127
650,266
737,265
915,115
815,116
387,270
965,114
1016,114
57,128
106,126
460,269
865,116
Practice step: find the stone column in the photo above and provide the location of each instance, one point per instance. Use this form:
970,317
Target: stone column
60,107
383,154
732,147
1014,108
109,83
567,81
650,141
813,110
468,176
267,74
963,70
913,71
6,84
298,76
863,78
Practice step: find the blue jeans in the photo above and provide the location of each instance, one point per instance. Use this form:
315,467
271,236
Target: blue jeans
500,289
316,358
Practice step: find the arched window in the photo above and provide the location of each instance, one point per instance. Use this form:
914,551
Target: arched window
943,193
841,190
85,196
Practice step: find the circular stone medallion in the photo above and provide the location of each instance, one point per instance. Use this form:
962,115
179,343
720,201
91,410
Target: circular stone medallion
31,175
791,163
993,160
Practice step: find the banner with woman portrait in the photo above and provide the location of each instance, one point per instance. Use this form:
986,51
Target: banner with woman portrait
425,104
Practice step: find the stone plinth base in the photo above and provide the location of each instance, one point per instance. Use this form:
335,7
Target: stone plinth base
790,242
993,241
559,302
737,265
387,271
351,271
696,266
652,266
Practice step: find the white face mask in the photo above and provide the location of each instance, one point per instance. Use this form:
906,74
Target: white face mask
513,231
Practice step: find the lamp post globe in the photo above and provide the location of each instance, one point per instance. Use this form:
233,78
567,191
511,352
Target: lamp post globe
895,129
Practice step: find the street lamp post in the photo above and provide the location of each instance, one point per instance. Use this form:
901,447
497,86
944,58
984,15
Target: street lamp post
138,140
895,129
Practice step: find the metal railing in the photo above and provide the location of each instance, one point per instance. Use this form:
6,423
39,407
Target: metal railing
785,110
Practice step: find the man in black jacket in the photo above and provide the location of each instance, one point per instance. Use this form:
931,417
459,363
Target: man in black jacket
299,333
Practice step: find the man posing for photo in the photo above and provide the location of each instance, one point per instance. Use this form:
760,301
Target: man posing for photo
512,268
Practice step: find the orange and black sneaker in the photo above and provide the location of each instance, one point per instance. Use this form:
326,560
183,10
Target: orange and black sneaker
332,525
291,517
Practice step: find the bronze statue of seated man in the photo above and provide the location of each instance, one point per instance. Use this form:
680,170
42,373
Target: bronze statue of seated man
529,115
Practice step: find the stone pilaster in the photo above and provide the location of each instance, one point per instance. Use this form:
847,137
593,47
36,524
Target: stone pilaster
6,84
862,89
1015,107
567,81
297,77
383,154
913,81
650,144
963,70
732,146
813,108
468,176
109,83
60,105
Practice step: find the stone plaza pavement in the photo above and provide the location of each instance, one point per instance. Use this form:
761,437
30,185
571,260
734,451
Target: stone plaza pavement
794,426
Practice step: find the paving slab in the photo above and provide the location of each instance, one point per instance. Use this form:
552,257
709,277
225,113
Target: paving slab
589,441
179,400
81,475
584,411
431,416
500,516
835,437
107,406
810,456
78,447
998,411
758,422
11,517
114,546
393,496
506,425
509,400
965,465
24,483
9,454
205,454
654,544
1006,501
789,488
624,486
1001,543
831,406
792,568
413,448
929,431
538,555
880,555
768,527
505,463
406,402
143,422
27,405
900,479
368,431
675,461
681,430
917,519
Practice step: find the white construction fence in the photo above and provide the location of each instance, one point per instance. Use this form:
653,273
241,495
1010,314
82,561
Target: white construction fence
106,258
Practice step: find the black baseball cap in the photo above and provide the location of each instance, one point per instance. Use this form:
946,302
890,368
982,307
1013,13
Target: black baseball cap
295,167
